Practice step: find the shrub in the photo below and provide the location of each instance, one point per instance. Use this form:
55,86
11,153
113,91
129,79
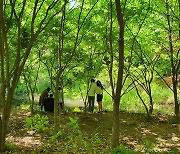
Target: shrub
56,136
73,123
122,149
37,123
10,147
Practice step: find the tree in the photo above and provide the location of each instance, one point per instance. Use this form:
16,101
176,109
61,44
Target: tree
115,129
167,37
14,15
30,74
142,77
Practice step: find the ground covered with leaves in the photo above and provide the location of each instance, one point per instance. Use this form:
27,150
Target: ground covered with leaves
91,134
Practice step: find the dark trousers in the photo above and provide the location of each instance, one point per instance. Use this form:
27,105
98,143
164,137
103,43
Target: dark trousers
91,103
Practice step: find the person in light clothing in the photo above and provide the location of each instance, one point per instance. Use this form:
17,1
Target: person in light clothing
91,95
99,92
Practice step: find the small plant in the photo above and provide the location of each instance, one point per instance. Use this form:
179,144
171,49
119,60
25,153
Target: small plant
56,136
97,139
73,123
37,123
150,146
174,151
122,149
171,120
24,106
10,147
77,109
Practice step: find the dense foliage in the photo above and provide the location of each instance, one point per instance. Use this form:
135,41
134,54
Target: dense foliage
66,43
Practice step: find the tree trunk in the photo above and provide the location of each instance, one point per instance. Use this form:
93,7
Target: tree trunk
151,105
111,52
115,129
176,101
32,103
2,135
4,119
56,108
173,69
2,84
145,106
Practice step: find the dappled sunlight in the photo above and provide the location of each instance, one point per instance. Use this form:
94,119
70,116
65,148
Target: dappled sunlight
165,144
175,138
146,132
150,136
129,140
27,141
136,132
21,113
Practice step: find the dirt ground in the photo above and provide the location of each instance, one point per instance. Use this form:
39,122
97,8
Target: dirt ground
94,134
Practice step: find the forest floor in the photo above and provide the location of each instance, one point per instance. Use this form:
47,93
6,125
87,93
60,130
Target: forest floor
93,134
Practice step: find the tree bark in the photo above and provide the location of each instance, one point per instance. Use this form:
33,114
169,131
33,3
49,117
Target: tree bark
115,129
2,79
111,52
173,68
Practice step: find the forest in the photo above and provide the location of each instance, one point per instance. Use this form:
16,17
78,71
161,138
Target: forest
131,46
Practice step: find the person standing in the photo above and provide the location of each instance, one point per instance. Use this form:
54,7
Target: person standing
49,104
43,97
91,95
99,92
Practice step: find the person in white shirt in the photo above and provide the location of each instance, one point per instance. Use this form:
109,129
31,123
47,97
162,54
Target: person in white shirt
99,92
91,95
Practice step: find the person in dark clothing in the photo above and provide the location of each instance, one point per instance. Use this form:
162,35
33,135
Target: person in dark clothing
43,97
99,92
49,104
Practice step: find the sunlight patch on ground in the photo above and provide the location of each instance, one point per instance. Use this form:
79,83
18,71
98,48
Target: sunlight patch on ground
146,132
27,141
165,144
129,141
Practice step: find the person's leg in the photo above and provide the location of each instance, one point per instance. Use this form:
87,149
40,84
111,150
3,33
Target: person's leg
89,101
92,104
100,106
41,107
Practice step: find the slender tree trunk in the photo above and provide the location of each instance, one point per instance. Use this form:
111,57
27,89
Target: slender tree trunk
115,129
111,53
59,72
2,135
173,69
151,105
4,118
56,107
145,106
32,102
2,83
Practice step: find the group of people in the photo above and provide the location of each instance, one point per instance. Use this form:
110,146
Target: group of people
46,101
95,88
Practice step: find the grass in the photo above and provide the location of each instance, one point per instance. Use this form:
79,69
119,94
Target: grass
130,102
10,147
162,98
92,134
